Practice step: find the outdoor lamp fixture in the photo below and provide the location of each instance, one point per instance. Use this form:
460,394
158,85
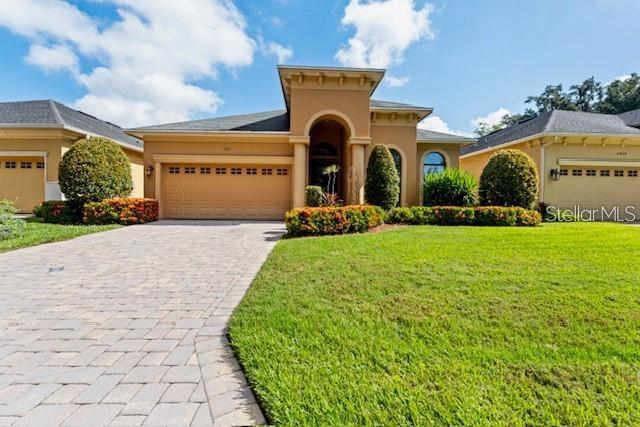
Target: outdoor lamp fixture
148,170
555,174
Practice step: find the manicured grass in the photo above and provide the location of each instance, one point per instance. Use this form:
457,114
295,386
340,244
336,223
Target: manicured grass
448,326
37,233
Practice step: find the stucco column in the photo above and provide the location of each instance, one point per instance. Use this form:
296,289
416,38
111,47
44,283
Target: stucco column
157,169
357,161
299,169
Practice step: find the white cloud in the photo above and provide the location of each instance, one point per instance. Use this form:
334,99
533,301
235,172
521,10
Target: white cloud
492,118
148,58
384,31
52,58
396,81
621,78
282,53
436,124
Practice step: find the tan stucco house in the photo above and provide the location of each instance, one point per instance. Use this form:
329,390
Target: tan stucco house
256,166
34,135
585,160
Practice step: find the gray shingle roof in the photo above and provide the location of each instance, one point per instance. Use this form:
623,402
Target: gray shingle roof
631,118
429,135
48,112
377,103
268,121
556,121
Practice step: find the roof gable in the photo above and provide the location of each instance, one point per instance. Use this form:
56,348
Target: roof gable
48,113
631,118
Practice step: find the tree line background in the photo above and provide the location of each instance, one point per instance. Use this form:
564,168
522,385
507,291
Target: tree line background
589,96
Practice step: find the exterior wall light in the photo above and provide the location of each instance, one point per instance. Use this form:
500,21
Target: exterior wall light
148,170
555,174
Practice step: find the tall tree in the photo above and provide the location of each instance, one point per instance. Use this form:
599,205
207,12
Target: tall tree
587,95
591,96
552,98
621,96
507,120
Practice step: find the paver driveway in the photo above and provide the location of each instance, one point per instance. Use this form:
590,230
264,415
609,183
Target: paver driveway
128,326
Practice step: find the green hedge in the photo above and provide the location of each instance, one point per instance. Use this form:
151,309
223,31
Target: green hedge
454,215
332,220
125,211
56,212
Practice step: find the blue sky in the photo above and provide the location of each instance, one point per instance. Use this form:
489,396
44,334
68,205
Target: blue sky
466,59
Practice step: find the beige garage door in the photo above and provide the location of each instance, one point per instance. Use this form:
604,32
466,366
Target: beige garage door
22,181
596,187
193,191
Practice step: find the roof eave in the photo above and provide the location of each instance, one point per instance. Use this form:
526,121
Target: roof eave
68,128
462,142
543,134
139,133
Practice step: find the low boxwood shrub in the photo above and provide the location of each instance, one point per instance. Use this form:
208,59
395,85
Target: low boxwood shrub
10,226
313,195
455,215
451,187
332,220
56,212
125,211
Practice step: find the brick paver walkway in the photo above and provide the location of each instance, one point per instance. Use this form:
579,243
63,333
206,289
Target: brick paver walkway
127,327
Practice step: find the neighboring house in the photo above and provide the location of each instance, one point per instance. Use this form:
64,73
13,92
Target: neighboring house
34,135
584,159
256,166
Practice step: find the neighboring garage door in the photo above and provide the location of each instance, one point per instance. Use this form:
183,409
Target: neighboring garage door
596,187
22,181
209,191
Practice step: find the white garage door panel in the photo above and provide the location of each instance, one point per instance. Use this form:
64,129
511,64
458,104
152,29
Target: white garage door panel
202,195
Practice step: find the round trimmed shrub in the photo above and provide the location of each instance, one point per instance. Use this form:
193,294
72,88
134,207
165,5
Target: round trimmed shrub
510,178
313,195
382,187
451,187
93,170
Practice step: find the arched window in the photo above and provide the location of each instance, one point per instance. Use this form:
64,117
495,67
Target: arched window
323,149
397,160
433,162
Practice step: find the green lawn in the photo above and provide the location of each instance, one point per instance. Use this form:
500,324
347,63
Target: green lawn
448,326
37,233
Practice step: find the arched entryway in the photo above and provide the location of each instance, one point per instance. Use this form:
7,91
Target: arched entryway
327,157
